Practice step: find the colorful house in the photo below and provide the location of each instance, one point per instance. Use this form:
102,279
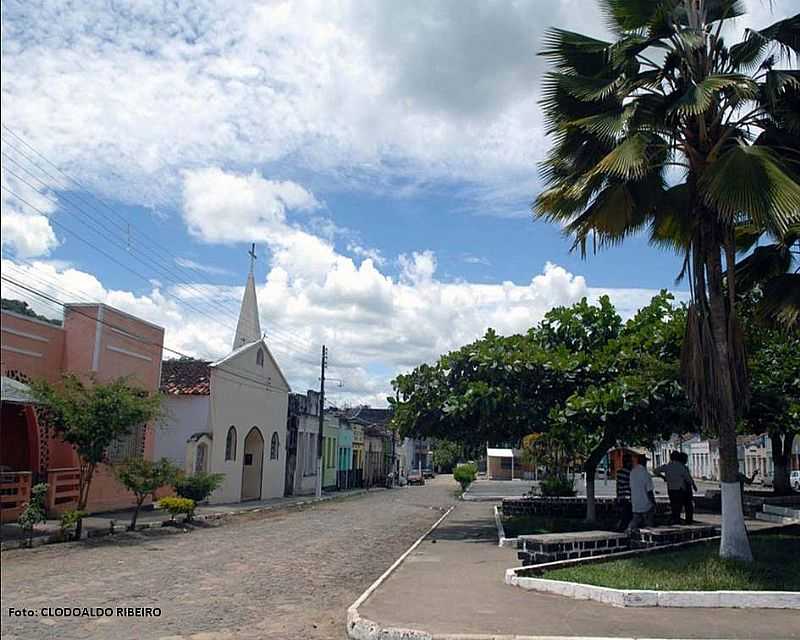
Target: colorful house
344,476
330,436
93,340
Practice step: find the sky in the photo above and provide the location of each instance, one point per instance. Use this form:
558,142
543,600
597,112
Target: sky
381,155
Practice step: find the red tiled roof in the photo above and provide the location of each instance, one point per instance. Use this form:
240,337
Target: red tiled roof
186,377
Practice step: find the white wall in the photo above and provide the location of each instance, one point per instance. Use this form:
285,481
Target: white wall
184,416
245,404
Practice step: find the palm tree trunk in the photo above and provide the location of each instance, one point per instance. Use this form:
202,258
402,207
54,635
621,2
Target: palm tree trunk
734,542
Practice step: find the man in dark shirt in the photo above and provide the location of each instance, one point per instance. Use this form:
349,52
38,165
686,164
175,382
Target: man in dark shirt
624,493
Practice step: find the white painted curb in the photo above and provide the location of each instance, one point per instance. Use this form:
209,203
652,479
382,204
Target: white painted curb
360,628
502,541
647,598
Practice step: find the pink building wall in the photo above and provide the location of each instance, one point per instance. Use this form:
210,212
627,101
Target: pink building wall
95,340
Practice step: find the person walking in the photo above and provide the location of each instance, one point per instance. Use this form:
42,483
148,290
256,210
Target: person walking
676,475
623,479
688,490
643,499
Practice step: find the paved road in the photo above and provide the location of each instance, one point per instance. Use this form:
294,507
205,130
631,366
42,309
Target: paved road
285,574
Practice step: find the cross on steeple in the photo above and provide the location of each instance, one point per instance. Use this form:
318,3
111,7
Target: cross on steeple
252,254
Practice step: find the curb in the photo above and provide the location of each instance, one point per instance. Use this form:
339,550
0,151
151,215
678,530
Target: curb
646,598
502,541
359,628
55,538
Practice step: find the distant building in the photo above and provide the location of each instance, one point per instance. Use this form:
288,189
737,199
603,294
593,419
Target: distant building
302,432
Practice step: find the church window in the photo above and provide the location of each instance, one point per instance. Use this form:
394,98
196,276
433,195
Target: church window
274,447
260,357
230,444
200,458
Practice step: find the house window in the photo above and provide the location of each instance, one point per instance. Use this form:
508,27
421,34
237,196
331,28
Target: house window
127,446
274,447
260,357
230,444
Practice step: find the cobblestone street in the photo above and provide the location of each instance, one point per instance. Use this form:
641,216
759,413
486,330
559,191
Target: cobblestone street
288,574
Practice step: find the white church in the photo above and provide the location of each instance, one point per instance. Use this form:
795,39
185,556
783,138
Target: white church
229,416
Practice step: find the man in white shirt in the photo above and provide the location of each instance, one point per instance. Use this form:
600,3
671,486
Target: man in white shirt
643,499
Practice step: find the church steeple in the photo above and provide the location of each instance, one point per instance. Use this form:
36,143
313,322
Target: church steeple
248,328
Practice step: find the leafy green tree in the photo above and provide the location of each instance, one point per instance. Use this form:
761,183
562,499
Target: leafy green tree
143,478
91,417
774,358
636,397
670,92
445,454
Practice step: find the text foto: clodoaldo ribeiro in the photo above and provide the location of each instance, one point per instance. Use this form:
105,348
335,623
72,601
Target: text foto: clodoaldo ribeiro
86,612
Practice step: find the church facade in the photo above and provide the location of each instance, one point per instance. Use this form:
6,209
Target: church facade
229,416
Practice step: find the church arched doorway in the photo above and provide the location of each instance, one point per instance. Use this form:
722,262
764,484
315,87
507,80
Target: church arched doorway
252,463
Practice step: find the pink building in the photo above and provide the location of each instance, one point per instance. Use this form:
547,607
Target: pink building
94,340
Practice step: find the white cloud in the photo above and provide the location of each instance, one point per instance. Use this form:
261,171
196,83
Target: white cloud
128,96
373,325
224,207
26,228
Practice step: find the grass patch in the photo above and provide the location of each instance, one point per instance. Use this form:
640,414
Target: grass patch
533,525
776,568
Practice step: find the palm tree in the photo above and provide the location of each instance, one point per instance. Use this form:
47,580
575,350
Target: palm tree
671,131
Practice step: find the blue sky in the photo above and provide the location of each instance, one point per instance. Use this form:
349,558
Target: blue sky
382,156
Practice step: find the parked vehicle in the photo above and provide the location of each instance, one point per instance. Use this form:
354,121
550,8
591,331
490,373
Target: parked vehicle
794,479
428,473
415,477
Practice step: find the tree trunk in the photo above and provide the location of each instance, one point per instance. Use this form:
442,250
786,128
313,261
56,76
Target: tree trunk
590,469
136,509
780,460
734,542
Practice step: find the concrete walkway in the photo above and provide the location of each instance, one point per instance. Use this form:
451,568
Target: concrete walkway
101,523
453,584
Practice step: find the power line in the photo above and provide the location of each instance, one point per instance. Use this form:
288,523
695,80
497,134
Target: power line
128,334
111,257
283,334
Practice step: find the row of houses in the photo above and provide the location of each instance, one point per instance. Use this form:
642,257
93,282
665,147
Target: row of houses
754,453
236,416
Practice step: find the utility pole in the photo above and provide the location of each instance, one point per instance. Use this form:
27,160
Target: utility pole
320,437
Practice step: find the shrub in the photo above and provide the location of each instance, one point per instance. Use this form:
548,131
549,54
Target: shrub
465,474
197,486
143,478
557,486
34,511
69,522
176,506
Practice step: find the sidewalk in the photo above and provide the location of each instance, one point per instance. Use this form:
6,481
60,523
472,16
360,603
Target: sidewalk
99,524
452,584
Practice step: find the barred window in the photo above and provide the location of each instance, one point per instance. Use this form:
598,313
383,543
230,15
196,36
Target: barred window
128,446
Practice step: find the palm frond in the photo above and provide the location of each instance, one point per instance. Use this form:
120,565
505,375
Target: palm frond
780,38
751,180
572,52
698,98
780,304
